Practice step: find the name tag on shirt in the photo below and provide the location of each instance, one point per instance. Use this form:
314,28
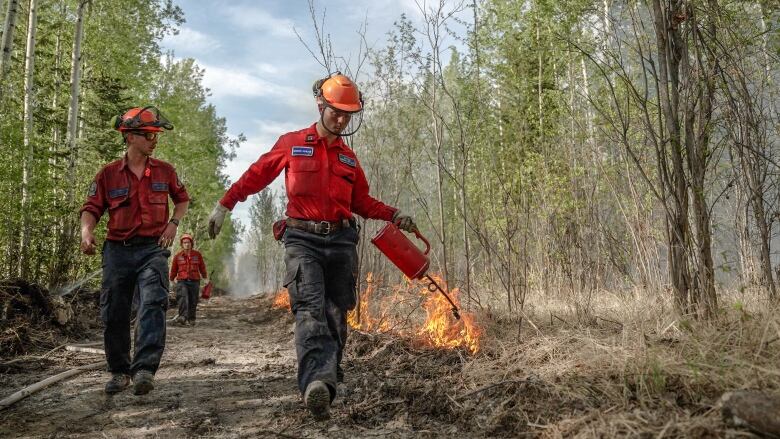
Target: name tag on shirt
305,151
160,187
347,160
121,192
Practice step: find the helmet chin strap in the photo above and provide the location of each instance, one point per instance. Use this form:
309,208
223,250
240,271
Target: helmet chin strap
324,125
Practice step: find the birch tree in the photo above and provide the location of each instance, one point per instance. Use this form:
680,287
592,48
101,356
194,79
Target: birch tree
29,105
6,45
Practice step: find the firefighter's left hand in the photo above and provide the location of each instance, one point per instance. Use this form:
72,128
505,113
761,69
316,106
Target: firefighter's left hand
404,222
168,235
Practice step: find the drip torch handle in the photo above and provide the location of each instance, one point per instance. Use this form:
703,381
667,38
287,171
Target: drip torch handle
422,238
433,286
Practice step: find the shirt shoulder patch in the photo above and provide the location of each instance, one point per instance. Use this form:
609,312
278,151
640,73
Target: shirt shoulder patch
347,160
93,189
306,151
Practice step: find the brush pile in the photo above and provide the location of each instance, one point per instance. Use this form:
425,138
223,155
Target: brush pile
31,317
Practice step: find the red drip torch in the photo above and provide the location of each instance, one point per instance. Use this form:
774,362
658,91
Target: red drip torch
408,258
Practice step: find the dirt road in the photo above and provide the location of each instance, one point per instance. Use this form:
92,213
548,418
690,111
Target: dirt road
233,375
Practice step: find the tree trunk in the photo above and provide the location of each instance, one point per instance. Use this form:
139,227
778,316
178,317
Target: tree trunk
73,108
8,41
69,223
29,71
677,218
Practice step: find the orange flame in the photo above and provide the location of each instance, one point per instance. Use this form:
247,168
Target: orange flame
398,313
439,329
281,300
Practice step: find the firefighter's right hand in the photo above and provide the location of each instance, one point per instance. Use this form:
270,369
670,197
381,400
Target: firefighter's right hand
87,242
404,222
216,219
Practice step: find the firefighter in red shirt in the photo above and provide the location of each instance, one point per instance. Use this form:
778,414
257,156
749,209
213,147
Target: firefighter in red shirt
135,191
325,184
187,268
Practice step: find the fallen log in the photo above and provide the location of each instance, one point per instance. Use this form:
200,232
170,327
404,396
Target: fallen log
89,350
40,385
754,410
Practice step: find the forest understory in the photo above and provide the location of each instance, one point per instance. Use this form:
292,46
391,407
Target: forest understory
628,369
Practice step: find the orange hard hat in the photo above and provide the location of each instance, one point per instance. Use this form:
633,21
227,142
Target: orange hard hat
186,236
142,119
341,93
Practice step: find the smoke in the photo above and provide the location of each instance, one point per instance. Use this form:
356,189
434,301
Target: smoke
244,280
252,274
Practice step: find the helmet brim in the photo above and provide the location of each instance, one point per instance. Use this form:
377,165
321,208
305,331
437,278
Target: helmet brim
146,128
349,108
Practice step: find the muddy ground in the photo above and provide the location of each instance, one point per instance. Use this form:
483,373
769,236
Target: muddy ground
233,375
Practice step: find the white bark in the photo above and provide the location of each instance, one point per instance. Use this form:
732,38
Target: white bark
8,39
29,70
73,108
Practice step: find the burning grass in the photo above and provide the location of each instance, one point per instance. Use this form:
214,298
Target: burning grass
411,311
626,371
626,365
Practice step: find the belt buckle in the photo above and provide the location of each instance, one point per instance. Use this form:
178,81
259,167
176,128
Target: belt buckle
126,243
323,224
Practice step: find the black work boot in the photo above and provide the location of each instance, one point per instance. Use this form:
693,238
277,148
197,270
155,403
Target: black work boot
317,399
117,383
143,382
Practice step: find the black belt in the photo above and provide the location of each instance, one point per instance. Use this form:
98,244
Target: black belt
136,240
319,227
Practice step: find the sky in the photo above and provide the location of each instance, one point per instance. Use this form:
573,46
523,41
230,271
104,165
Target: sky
257,70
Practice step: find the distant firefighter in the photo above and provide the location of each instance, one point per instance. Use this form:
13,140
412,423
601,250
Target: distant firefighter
187,269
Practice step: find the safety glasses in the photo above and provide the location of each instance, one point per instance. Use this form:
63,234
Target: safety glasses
147,134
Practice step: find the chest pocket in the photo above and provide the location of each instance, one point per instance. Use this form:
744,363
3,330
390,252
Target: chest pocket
303,178
158,202
342,179
159,193
119,212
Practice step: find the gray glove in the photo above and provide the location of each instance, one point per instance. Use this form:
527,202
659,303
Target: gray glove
216,219
404,222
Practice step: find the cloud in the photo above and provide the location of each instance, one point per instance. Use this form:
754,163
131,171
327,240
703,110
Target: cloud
191,42
247,83
260,21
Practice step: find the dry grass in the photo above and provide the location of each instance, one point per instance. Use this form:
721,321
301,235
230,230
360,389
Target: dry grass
627,368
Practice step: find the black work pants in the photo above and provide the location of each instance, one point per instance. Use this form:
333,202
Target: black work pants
124,268
320,278
188,293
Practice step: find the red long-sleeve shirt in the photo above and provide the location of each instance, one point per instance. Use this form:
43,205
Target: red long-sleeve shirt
188,265
323,182
136,207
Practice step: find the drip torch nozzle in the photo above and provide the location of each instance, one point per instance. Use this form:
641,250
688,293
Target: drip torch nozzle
433,286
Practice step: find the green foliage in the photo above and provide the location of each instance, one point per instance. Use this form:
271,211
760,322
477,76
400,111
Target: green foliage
122,67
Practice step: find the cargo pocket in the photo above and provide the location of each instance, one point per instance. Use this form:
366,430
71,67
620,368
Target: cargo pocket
105,295
154,287
290,281
352,296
